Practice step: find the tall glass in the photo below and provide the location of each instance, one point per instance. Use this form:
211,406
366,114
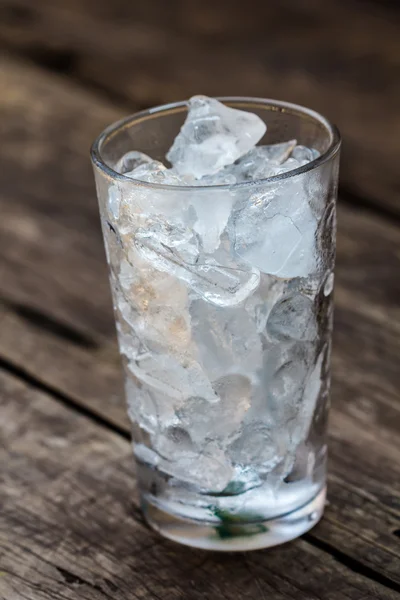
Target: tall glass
223,303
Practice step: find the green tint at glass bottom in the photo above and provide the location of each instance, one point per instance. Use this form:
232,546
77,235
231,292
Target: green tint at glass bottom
234,535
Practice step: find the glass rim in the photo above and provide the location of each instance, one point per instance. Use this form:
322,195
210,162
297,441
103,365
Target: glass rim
124,123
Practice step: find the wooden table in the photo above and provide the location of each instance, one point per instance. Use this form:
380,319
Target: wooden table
69,524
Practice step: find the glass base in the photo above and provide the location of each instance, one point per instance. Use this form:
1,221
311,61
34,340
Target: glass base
234,536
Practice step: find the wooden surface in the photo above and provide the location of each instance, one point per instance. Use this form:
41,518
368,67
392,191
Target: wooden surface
69,523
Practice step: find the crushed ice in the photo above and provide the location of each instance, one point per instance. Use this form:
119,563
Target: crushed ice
221,346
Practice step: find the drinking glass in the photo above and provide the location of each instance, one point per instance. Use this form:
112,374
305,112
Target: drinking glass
223,306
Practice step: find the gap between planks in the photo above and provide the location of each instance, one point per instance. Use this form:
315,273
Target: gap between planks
61,397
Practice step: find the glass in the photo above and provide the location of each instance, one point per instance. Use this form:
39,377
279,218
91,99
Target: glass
226,341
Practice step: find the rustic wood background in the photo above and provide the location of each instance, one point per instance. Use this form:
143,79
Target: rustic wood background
69,524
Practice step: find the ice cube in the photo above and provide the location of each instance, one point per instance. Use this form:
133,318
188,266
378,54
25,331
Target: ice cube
141,305
219,420
257,446
155,396
293,318
127,275
309,400
281,239
114,200
222,285
141,207
132,160
130,345
261,162
292,387
276,153
213,136
209,470
261,302
275,231
276,401
226,339
155,172
142,408
304,155
143,287
289,165
180,241
177,379
212,214
303,461
162,328
173,442
131,207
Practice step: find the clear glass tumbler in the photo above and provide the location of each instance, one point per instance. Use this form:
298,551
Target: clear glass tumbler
223,303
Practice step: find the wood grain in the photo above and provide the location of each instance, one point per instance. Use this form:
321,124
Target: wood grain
340,57
48,211
88,376
70,528
53,260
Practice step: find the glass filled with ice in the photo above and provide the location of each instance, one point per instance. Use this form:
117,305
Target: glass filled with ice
219,227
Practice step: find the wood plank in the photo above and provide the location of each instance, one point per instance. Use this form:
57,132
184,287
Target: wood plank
365,485
69,527
48,212
335,56
90,377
